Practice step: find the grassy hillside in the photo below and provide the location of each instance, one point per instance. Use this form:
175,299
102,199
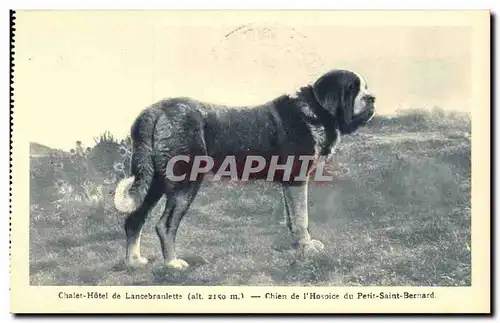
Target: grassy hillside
397,213
38,150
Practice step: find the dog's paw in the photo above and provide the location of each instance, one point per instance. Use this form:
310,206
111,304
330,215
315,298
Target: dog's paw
136,262
178,264
308,248
318,245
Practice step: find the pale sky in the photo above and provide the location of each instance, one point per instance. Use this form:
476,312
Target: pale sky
86,73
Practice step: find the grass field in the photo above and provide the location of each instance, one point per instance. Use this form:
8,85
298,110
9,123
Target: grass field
397,213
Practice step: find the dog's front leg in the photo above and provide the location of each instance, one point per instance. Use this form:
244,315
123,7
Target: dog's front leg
295,196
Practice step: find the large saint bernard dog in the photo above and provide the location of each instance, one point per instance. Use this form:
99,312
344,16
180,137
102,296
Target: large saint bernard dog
308,123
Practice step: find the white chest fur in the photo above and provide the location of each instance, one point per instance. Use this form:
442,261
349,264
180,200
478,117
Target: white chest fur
319,135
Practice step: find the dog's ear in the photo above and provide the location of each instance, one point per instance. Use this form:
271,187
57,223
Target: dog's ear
327,94
333,93
346,106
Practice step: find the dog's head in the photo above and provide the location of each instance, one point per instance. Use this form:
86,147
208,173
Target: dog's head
345,95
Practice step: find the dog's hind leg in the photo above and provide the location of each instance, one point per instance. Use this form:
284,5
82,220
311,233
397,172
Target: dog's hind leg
180,195
135,222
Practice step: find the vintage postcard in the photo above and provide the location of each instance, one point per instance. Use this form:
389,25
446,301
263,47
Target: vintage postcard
250,162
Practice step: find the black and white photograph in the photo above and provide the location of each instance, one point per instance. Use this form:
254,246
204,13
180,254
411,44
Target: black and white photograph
226,149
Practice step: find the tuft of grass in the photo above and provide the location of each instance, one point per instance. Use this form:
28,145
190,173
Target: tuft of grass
396,214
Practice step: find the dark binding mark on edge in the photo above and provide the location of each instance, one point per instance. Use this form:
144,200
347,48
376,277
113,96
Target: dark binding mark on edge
492,163
12,25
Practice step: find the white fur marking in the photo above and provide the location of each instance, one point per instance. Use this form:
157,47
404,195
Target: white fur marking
123,201
335,144
293,95
296,199
134,250
178,264
359,105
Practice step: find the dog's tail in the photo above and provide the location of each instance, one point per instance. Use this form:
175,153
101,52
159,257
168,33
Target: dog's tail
131,191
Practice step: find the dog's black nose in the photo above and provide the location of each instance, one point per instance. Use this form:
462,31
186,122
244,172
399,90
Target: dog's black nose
369,98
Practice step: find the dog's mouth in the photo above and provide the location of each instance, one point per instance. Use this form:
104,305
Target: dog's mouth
359,120
372,113
369,107
368,114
